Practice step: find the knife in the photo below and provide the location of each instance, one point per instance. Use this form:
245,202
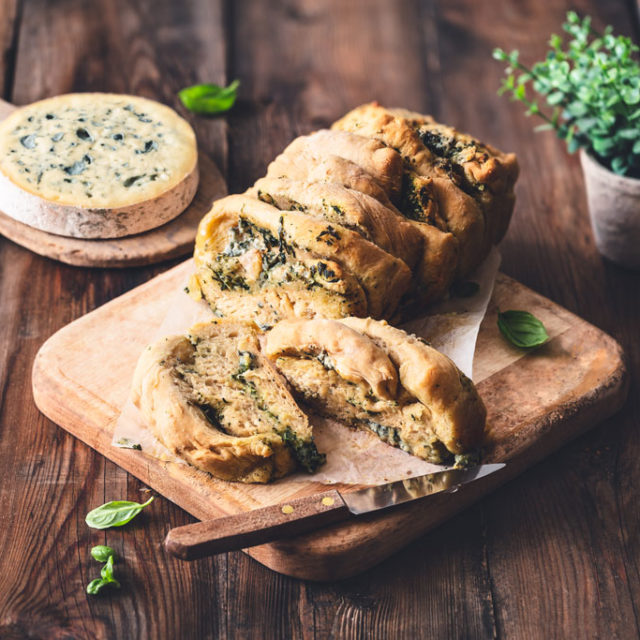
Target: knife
301,515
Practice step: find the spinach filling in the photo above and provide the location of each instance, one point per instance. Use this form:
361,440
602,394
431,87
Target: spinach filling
227,271
415,200
437,452
304,451
213,416
246,361
328,235
325,274
466,460
228,281
443,146
387,434
448,149
243,237
324,359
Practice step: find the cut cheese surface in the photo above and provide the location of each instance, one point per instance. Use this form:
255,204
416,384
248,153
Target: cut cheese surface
96,150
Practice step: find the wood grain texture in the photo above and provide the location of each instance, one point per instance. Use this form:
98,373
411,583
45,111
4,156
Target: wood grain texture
258,526
575,380
553,554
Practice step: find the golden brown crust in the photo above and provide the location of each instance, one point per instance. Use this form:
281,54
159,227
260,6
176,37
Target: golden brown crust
381,225
378,160
461,212
458,413
435,272
353,357
182,427
383,278
329,168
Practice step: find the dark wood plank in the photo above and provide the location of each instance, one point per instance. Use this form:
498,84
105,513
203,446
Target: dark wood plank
48,481
566,561
9,18
554,554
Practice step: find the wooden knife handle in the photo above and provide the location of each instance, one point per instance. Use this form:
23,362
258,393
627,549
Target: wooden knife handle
255,527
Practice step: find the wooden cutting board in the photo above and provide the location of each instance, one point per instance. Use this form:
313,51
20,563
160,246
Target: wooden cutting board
171,240
536,402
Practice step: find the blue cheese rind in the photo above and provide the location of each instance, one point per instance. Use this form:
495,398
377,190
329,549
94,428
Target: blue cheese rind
96,165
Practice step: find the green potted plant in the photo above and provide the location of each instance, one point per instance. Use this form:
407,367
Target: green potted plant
591,86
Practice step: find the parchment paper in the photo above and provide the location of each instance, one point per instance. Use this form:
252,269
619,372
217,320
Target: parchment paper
353,456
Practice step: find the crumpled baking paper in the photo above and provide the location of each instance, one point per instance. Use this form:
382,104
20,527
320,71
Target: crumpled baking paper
353,456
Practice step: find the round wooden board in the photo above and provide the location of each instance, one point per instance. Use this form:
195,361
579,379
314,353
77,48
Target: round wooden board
171,240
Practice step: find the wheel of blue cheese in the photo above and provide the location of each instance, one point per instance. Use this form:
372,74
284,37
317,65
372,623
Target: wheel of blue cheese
96,165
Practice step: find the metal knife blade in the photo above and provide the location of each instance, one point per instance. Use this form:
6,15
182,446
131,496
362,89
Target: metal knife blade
386,495
309,513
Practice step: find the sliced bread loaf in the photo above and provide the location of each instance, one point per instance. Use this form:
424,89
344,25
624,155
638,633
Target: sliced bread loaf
461,213
319,174
258,263
213,399
471,183
370,375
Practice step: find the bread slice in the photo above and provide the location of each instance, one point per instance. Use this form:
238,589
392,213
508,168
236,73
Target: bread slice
329,168
381,162
370,375
349,208
264,264
434,268
96,165
463,216
485,172
213,399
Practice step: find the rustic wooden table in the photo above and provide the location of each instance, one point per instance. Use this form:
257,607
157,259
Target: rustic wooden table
555,553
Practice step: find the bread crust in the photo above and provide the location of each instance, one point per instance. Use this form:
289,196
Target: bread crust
383,278
462,214
384,164
329,168
182,428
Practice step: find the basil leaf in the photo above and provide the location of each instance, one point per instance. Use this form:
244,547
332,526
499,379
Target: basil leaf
106,572
102,553
115,513
95,586
522,329
209,99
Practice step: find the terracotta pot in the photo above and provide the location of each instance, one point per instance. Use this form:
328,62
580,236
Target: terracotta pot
614,207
